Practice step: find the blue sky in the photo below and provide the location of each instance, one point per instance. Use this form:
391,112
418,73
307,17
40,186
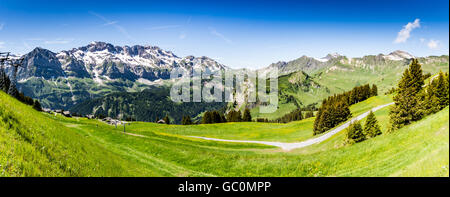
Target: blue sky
249,34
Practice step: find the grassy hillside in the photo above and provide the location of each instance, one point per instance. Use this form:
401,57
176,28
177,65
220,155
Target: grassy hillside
350,72
32,144
294,90
39,144
309,88
420,149
290,132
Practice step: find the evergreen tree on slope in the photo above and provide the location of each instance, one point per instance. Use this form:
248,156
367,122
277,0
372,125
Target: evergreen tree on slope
371,128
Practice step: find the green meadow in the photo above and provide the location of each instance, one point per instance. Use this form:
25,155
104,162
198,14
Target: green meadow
342,77
39,144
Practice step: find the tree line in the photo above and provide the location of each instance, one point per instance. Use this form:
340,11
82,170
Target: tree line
335,109
294,116
216,116
8,87
210,117
414,99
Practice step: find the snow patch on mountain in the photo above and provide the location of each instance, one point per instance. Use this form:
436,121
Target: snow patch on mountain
321,59
398,55
103,62
148,82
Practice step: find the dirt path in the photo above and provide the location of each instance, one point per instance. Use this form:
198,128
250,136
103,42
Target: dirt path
294,145
136,135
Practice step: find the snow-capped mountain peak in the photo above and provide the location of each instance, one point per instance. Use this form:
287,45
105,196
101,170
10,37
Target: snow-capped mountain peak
332,56
399,55
329,57
104,61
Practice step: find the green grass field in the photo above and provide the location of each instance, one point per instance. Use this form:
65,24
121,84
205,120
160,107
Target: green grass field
38,144
340,78
291,132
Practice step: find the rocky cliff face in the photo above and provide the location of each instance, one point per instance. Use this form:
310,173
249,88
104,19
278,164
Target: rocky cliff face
40,63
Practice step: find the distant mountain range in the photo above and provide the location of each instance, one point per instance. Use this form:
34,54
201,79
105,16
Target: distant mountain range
67,78
102,61
306,81
310,64
61,80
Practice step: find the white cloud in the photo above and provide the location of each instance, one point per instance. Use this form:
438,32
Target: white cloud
58,41
433,44
35,39
404,34
422,40
110,23
221,36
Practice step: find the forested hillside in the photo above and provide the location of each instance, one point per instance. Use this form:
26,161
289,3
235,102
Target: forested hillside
149,105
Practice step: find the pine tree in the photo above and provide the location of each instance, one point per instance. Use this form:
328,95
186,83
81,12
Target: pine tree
238,116
447,87
366,92
186,120
318,121
427,101
406,108
441,90
298,115
309,114
371,128
229,116
4,81
216,117
374,90
335,109
167,119
355,133
342,112
247,117
37,105
207,118
416,73
326,120
234,116
222,117
353,96
426,76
